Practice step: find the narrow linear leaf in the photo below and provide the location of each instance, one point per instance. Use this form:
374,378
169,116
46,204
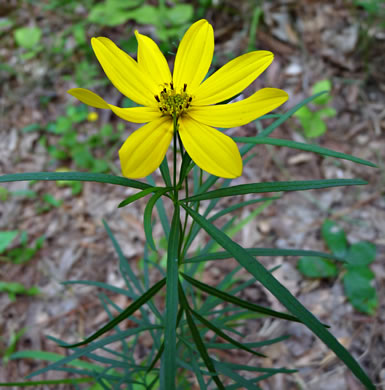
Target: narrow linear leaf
48,382
123,263
239,380
164,170
215,329
185,167
74,176
302,146
123,315
142,194
161,211
168,366
53,357
261,252
147,217
283,295
258,344
237,301
161,348
89,348
278,186
237,206
198,340
284,117
244,367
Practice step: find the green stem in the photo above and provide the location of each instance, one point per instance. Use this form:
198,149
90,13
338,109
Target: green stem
175,121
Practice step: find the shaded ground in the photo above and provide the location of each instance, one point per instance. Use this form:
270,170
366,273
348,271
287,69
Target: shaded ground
311,41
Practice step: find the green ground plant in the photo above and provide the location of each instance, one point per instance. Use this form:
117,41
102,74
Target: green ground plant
188,323
70,145
353,264
313,120
23,251
185,319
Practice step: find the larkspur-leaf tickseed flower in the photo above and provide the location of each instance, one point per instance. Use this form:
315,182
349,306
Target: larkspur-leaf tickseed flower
184,96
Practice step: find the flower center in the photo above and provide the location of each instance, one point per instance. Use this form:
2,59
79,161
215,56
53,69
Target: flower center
171,102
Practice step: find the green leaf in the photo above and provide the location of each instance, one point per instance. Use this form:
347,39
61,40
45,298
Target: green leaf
269,129
322,86
233,230
185,167
180,13
327,112
147,217
198,340
14,288
237,206
334,237
260,252
237,301
13,340
239,379
359,290
141,194
282,294
361,253
6,239
215,329
168,366
317,267
304,113
123,315
93,346
74,176
165,171
257,188
27,37
146,14
161,348
161,211
47,382
315,127
302,146
54,357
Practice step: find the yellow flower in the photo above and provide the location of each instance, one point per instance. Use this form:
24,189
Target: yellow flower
92,116
185,96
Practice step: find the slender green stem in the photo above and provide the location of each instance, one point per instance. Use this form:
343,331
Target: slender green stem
186,241
175,120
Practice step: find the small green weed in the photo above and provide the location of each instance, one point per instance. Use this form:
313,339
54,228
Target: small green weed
358,278
29,39
313,122
23,252
15,288
79,148
169,22
12,342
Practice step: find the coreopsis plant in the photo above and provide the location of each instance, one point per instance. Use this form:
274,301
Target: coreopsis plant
183,102
185,107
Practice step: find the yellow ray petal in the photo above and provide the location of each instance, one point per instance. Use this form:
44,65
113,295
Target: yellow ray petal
88,97
124,72
134,114
240,113
233,77
152,60
194,56
211,150
145,148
